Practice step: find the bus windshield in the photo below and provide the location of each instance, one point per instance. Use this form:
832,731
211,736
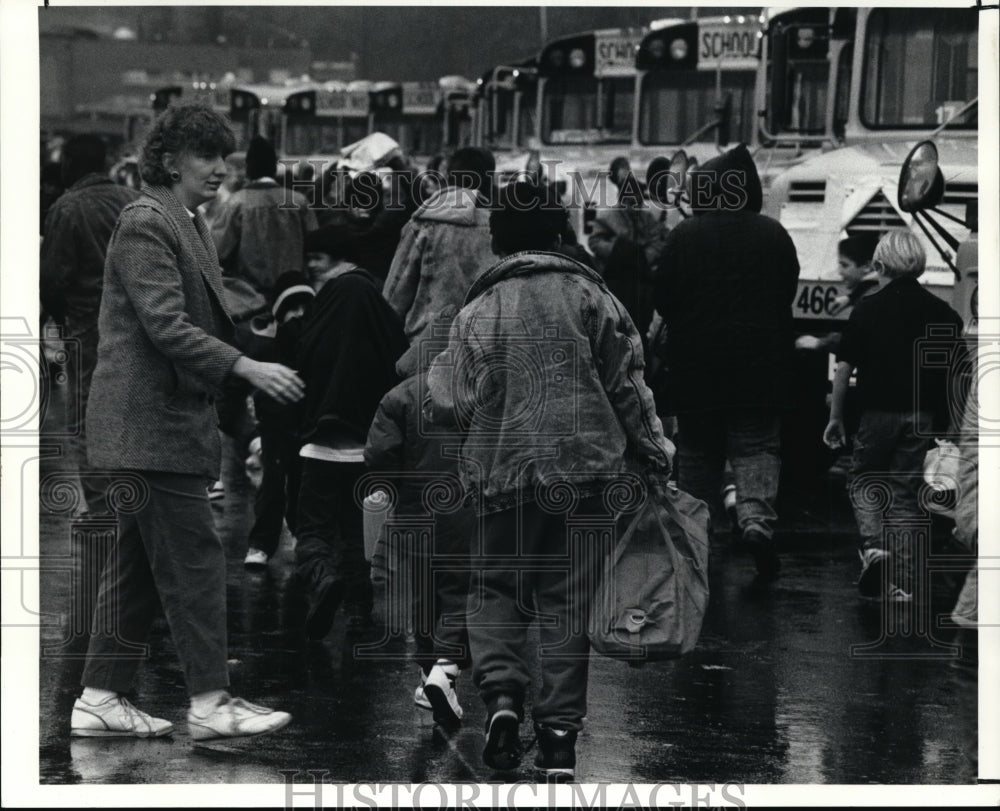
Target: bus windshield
499,105
677,104
586,110
920,68
322,136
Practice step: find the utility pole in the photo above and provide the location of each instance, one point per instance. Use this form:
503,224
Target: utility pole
543,24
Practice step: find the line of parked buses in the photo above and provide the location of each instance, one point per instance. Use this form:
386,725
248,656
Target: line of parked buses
860,120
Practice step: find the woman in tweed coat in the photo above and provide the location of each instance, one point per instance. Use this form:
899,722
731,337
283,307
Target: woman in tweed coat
162,356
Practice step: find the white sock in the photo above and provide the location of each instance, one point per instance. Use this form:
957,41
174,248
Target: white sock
203,703
95,695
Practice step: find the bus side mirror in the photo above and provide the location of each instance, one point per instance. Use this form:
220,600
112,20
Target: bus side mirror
921,183
779,79
724,110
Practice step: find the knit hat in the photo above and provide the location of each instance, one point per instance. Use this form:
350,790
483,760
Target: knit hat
262,160
292,289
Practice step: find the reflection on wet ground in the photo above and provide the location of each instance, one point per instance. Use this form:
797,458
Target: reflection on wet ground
772,694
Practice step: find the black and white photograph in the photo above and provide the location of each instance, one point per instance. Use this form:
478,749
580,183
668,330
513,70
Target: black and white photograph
490,406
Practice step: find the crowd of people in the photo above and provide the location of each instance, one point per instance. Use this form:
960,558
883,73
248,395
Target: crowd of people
450,333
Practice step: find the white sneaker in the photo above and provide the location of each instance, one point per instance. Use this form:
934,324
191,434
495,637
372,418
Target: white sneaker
235,718
216,491
440,691
115,717
255,557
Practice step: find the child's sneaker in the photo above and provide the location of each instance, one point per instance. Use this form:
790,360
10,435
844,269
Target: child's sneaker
440,691
503,750
873,563
894,594
115,717
419,696
555,760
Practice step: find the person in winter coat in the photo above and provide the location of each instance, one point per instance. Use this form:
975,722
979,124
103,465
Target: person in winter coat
347,354
261,229
543,377
71,277
725,289
445,246
418,460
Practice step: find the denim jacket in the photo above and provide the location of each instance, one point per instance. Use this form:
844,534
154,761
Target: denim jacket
543,376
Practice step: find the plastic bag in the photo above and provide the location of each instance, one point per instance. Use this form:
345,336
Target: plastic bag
653,593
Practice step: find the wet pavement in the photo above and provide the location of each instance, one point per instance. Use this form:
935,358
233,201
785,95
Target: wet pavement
772,694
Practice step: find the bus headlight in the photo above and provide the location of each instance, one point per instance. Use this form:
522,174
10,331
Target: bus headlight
678,49
657,49
577,58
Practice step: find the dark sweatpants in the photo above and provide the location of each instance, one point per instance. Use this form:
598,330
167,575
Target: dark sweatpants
330,531
167,553
544,565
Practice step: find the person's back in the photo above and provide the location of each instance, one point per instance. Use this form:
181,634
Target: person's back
260,231
895,339
71,280
77,231
444,247
884,331
725,287
543,378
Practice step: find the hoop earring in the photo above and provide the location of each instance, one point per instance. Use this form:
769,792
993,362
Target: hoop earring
175,175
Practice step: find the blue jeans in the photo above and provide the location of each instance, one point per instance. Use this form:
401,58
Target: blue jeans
886,475
750,439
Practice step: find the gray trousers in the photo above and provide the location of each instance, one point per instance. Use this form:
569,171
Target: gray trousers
167,553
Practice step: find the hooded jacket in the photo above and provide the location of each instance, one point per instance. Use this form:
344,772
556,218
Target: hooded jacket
543,375
347,352
725,288
443,249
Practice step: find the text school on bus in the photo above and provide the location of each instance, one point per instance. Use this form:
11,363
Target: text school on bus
899,99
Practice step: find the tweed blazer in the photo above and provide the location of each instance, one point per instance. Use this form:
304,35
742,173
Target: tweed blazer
162,353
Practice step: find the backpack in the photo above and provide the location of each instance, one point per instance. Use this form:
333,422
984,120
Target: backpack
653,590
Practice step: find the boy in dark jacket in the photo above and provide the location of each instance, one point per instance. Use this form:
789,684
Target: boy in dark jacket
725,288
902,405
437,565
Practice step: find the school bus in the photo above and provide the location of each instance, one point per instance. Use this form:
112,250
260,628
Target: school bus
321,119
695,85
898,88
504,108
913,76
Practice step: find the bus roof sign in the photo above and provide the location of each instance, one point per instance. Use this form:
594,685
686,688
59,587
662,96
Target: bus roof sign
614,54
738,46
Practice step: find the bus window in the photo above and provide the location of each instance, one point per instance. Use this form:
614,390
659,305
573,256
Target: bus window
843,100
677,104
920,67
587,110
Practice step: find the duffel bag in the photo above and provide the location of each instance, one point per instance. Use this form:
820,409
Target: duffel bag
653,590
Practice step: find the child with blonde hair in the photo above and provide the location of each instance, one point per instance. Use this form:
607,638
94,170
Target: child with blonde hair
904,402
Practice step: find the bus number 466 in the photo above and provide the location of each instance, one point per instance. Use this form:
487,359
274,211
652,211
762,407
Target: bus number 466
817,300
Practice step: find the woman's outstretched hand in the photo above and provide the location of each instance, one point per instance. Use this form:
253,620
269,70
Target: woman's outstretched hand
276,381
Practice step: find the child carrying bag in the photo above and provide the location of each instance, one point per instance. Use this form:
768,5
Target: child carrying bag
653,591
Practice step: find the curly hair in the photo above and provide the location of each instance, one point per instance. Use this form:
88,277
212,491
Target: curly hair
192,127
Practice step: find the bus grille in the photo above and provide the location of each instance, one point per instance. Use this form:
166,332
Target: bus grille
878,215
807,191
958,194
